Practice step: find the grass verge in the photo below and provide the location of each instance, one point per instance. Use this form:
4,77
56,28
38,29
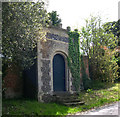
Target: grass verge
92,98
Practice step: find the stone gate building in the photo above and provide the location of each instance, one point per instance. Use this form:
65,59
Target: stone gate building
53,70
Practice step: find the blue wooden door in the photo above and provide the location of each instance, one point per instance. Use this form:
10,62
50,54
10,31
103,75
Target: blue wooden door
58,73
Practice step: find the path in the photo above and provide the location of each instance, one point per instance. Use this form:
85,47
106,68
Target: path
111,109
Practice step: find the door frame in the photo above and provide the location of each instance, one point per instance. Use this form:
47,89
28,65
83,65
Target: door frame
67,83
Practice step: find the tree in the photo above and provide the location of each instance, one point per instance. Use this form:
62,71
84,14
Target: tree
22,21
115,29
99,46
54,18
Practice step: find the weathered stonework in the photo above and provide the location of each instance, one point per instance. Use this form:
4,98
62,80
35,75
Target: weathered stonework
45,76
57,37
46,46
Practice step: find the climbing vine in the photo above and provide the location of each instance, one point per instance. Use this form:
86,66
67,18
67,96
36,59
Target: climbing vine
74,58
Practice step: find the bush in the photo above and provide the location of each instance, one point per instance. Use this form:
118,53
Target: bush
96,85
103,67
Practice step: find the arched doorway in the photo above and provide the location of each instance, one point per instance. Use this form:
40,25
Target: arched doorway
58,73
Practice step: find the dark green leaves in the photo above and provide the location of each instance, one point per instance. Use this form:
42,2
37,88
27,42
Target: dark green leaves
54,18
74,58
21,22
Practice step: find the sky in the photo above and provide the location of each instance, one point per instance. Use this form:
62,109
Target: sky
74,12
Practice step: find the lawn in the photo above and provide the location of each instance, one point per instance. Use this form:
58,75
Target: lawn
92,98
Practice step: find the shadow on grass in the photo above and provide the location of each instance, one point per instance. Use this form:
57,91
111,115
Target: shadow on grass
97,85
23,108
33,108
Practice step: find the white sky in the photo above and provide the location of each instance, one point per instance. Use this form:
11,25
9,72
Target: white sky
74,12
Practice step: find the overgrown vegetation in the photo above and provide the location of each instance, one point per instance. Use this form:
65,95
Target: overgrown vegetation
99,46
74,58
92,98
114,27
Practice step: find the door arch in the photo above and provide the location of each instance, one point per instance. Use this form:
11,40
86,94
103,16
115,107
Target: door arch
58,73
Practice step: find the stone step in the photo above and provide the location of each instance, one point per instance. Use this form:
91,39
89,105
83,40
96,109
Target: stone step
70,100
66,97
74,103
64,94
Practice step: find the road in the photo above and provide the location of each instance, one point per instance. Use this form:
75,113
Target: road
111,109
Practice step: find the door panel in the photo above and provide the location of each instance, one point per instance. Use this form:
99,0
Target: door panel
58,73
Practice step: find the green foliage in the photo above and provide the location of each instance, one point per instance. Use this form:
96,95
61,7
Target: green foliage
113,27
74,58
97,85
90,91
99,46
22,23
54,18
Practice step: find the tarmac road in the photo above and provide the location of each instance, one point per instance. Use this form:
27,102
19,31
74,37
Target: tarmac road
111,109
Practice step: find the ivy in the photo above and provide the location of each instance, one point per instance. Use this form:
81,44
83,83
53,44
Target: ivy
74,58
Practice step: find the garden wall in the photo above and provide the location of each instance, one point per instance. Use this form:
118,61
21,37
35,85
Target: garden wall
12,82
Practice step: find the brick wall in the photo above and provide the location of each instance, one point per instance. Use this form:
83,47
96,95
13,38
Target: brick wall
12,83
85,59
